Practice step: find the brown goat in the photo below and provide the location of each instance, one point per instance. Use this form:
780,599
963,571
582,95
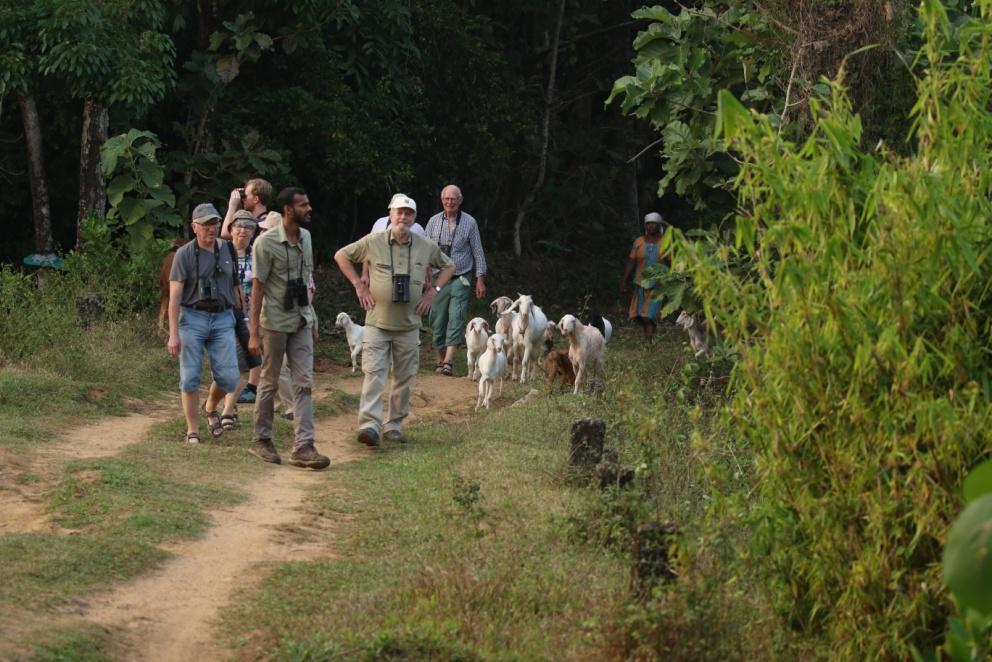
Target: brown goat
163,281
557,364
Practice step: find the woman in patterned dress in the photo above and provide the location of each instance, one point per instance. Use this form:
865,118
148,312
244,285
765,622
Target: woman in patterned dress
644,253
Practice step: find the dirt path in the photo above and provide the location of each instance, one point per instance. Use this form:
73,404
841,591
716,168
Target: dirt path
169,614
22,506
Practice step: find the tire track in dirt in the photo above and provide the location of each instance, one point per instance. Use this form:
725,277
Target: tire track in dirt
169,614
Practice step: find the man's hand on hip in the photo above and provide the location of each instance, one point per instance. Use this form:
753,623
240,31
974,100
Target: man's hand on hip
364,296
426,300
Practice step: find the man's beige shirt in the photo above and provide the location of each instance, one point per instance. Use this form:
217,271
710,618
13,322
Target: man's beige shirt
274,261
412,258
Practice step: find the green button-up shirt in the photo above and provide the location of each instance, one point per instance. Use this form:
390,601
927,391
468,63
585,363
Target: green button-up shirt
274,262
386,257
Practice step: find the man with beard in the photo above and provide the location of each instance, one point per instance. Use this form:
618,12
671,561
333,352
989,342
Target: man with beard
644,253
394,299
282,322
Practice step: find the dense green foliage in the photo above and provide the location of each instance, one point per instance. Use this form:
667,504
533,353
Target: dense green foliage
863,334
683,60
352,100
770,55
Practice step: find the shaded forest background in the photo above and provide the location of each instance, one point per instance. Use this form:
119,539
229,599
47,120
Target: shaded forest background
352,100
357,100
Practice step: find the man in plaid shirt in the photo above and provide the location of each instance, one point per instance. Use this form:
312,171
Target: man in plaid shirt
457,233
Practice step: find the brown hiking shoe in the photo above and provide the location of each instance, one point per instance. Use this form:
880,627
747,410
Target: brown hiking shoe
395,436
308,458
264,449
368,436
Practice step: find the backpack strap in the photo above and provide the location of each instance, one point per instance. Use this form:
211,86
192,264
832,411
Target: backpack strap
234,264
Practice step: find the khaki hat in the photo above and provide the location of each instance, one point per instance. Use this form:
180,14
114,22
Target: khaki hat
205,213
244,219
401,201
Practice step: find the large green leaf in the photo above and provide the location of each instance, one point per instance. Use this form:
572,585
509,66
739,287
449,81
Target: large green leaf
163,194
132,211
978,483
968,557
118,186
731,116
152,173
110,152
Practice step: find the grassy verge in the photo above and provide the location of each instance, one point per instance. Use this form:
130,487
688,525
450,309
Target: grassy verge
469,543
455,549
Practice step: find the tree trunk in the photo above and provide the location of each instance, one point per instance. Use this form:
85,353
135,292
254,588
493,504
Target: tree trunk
549,99
586,447
42,212
92,198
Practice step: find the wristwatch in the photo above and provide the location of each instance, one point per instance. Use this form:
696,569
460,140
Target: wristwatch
437,289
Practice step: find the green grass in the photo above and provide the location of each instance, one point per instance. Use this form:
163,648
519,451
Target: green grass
109,370
46,570
83,644
456,548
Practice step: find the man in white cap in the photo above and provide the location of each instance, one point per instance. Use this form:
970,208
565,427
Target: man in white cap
382,224
201,297
394,300
644,253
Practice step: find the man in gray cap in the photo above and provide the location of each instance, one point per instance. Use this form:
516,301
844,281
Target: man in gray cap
201,294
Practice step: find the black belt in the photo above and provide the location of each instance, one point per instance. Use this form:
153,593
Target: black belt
209,308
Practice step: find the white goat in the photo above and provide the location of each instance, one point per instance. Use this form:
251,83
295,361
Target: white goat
355,333
586,349
476,335
492,367
529,331
505,318
699,337
500,304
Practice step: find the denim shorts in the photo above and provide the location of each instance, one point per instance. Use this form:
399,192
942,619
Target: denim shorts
199,330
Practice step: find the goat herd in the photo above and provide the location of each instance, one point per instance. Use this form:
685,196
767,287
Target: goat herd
520,341
523,339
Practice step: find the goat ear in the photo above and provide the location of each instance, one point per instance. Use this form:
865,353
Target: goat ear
485,325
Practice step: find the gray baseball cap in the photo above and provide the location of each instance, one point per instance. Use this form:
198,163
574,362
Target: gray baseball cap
205,213
244,219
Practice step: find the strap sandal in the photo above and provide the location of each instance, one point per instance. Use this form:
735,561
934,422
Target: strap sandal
192,437
213,422
439,367
229,422
447,369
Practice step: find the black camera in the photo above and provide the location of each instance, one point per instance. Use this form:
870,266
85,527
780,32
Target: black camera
206,292
401,288
296,294
241,194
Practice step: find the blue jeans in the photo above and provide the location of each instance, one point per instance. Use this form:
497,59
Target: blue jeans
199,330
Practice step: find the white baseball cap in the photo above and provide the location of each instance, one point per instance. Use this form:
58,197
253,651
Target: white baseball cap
652,217
401,201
